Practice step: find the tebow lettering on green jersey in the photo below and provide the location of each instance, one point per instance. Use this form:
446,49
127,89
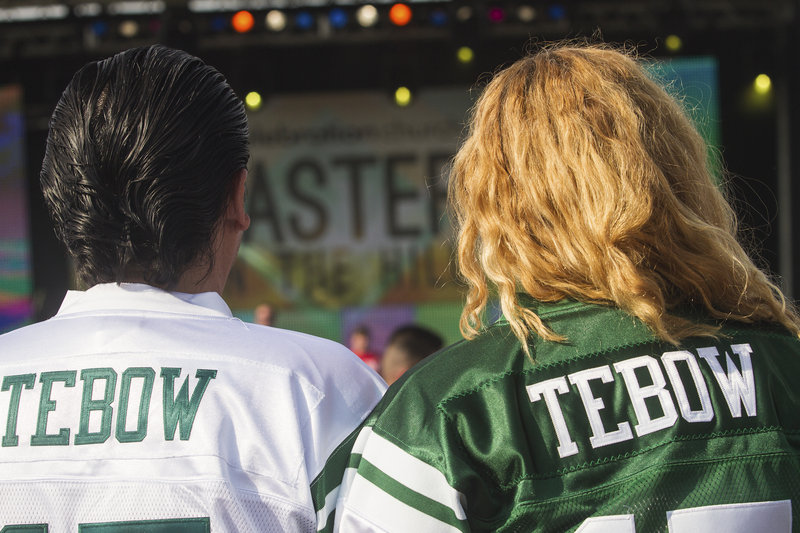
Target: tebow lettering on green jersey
737,386
179,410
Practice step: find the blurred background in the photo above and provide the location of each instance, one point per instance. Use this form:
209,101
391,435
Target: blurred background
355,109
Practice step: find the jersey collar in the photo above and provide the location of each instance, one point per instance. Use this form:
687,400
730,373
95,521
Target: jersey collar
136,297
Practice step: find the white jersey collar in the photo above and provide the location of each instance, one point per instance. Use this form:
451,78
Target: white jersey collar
133,297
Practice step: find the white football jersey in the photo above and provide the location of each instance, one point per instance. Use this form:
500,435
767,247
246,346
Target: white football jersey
135,409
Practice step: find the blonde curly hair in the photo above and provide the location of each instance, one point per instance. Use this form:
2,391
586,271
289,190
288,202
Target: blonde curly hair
582,178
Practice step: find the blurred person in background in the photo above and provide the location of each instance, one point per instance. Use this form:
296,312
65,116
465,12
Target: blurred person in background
144,405
407,346
645,374
360,344
264,314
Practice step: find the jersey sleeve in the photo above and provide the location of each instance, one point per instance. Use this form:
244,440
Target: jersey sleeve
350,390
374,483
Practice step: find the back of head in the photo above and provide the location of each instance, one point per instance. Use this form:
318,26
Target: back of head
407,346
415,342
582,178
139,163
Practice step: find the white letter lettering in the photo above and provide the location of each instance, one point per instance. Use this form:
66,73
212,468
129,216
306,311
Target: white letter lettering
593,406
638,394
706,412
737,387
566,446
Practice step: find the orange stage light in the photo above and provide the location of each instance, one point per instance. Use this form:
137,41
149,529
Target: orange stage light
242,21
400,14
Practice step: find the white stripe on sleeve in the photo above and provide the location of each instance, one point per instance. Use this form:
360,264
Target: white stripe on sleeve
330,504
413,473
347,480
370,509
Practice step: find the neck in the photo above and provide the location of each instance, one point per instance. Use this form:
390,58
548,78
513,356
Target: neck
200,279
195,280
225,246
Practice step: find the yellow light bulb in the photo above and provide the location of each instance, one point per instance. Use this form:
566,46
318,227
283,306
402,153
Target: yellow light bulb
673,43
252,100
465,54
762,84
402,96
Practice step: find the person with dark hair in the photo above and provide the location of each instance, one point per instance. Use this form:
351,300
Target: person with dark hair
129,144
407,346
144,405
644,375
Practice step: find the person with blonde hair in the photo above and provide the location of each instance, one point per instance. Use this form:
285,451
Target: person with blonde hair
644,374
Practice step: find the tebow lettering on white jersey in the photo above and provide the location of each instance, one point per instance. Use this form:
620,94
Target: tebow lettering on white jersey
737,386
96,404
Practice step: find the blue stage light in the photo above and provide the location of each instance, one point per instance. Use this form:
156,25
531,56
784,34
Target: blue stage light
219,23
337,18
100,28
557,12
304,20
438,18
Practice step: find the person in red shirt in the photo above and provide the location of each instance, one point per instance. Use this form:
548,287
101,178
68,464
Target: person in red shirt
359,344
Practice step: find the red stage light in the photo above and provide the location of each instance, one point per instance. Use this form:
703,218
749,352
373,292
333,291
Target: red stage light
496,14
242,21
400,14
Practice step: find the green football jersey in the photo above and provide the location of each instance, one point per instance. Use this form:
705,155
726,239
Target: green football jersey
611,431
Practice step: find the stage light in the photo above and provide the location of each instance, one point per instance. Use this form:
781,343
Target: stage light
100,28
304,20
275,20
673,43
557,12
400,14
28,13
526,13
128,28
219,23
496,14
759,96
337,18
242,22
367,16
253,101
402,96
89,9
135,7
464,13
438,18
465,55
762,84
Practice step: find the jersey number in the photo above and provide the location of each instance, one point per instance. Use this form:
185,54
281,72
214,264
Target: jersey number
735,518
180,525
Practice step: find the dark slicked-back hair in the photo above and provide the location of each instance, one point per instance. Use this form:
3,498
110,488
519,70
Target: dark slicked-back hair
139,163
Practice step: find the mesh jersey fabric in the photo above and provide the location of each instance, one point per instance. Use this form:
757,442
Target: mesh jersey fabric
610,431
135,409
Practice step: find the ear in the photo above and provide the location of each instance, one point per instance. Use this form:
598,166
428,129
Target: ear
236,211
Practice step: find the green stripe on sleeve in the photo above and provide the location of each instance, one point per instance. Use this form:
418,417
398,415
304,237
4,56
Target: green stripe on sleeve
409,496
332,473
